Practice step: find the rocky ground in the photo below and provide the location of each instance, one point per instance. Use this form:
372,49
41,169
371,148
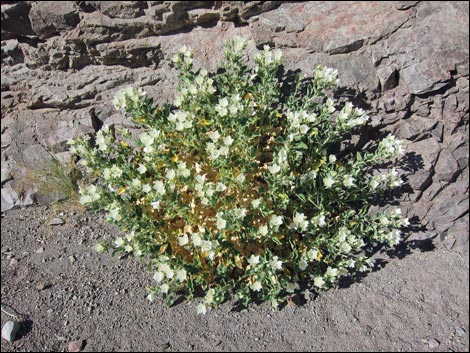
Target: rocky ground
407,62
63,291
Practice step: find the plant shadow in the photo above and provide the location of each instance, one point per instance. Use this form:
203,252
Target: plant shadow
25,327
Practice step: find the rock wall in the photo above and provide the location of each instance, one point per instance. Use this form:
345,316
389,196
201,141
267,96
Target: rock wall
405,60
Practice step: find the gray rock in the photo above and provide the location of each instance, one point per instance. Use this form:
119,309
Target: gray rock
56,222
15,20
446,167
388,77
76,346
405,5
49,18
433,343
9,330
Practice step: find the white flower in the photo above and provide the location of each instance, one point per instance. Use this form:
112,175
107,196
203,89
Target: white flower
318,282
326,75
351,263
221,187
273,169
405,222
275,263
158,276
201,309
263,230
151,297
209,297
256,286
159,187
348,181
241,178
146,188
131,93
233,109
221,223
391,146
312,254
181,275
136,183
303,129
224,150
329,105
164,288
183,240
253,260
106,173
319,220
155,205
240,213
275,221
210,192
345,247
119,241
167,270
214,135
99,248
328,181
142,169
384,220
255,203
300,221
196,239
228,140
147,141
183,170
221,108
331,272
114,214
102,141
332,158
170,174
84,199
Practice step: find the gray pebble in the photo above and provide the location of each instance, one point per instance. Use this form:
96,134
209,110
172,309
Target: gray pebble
56,222
9,330
433,343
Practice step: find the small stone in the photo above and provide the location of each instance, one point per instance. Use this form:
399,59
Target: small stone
76,346
460,331
164,346
56,222
433,343
41,286
9,330
72,259
39,251
13,262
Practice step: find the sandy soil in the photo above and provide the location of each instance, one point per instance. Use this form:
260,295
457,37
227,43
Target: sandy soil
416,300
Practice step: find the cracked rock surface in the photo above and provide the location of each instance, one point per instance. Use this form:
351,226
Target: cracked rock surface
406,60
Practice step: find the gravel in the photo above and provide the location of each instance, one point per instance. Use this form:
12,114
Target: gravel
416,297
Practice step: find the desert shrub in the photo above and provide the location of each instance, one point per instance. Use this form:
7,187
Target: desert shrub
233,188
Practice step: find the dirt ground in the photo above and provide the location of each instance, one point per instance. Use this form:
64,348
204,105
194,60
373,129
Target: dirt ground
416,300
